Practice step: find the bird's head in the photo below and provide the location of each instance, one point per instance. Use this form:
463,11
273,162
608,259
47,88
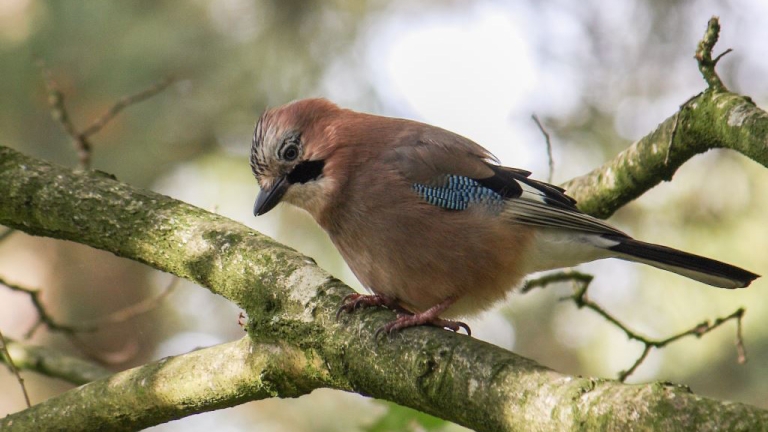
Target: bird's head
288,155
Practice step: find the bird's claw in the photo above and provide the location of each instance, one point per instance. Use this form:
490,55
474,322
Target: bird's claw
352,301
405,321
405,318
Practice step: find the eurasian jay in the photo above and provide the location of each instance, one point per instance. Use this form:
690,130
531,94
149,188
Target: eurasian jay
428,220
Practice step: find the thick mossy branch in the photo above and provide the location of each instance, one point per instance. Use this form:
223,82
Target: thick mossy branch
708,121
293,333
712,119
204,380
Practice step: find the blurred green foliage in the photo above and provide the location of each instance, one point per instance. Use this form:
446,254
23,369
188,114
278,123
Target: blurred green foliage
231,59
398,418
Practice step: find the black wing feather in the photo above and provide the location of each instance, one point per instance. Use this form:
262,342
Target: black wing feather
506,182
533,202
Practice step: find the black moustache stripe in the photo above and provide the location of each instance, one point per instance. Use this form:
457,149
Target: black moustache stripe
306,171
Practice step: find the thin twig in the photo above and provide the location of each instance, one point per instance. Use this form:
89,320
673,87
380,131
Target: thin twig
122,315
698,331
81,140
127,351
581,300
741,349
549,147
581,285
125,102
13,368
73,332
704,55
60,114
43,317
722,54
623,375
568,275
134,310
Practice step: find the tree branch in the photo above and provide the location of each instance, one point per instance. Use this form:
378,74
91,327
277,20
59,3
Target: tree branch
704,55
581,282
81,140
710,120
55,364
7,358
291,304
715,118
43,316
175,387
548,142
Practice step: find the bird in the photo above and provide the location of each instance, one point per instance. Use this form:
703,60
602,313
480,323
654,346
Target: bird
430,222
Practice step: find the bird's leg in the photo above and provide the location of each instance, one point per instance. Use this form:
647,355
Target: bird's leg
430,316
355,300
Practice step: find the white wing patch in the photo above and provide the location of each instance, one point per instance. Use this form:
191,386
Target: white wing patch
534,207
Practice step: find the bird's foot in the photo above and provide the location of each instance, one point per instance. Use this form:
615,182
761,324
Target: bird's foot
423,318
405,318
355,300
430,316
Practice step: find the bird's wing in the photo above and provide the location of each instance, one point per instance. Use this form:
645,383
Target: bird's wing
453,172
542,204
428,154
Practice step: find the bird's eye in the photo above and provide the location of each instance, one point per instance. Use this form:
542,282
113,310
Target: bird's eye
290,152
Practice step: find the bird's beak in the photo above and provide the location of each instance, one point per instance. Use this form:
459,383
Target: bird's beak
268,198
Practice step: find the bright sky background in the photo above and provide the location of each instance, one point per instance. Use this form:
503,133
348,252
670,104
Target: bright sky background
463,72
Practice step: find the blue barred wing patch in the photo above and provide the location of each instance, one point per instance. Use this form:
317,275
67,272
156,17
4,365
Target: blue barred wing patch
458,192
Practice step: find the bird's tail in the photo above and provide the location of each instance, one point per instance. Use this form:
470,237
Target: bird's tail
702,269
